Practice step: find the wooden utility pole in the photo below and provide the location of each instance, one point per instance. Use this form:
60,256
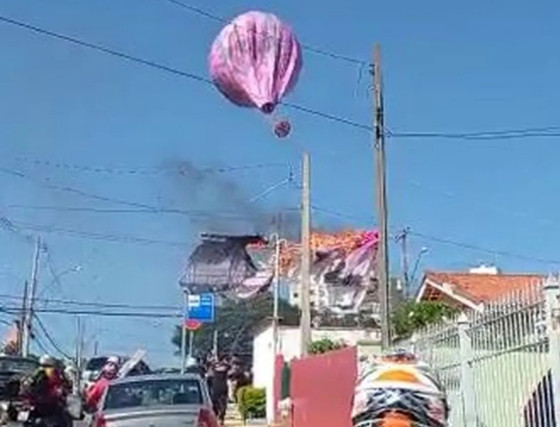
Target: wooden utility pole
184,318
80,337
26,330
402,238
21,325
382,270
305,290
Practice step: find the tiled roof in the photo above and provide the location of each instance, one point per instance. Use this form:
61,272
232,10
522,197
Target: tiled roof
484,287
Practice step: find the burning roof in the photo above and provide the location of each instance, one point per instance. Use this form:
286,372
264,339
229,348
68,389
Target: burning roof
344,242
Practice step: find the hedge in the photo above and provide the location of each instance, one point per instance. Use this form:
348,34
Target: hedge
251,402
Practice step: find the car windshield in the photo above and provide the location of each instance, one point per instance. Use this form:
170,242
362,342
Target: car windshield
96,363
153,393
17,365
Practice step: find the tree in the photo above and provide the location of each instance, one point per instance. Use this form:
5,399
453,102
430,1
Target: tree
236,322
412,316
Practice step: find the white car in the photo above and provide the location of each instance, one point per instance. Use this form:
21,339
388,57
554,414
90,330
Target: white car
156,400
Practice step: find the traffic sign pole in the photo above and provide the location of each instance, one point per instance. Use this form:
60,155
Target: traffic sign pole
184,331
191,341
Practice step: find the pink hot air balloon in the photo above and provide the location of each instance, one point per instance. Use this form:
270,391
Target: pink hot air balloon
255,61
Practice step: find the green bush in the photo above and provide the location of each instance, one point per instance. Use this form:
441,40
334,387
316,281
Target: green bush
251,402
325,345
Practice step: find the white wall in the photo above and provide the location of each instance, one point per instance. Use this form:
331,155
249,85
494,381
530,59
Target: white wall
289,344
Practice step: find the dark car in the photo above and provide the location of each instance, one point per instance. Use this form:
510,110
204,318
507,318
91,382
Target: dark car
13,369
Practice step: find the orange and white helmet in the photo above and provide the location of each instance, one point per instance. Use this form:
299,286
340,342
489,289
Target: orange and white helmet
399,385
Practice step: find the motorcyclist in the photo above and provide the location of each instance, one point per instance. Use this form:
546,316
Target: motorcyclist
108,373
398,389
46,390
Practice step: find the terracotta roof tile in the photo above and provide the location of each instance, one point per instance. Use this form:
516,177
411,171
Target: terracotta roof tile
484,287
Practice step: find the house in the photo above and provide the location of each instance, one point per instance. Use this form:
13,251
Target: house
473,288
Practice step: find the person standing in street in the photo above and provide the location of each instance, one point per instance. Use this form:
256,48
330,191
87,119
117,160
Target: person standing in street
218,384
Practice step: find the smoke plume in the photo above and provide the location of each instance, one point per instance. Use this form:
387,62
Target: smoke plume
218,204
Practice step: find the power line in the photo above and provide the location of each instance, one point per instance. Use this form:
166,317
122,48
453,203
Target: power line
451,242
91,304
139,207
490,135
40,344
316,50
50,338
100,236
141,171
549,131
483,249
148,63
70,312
191,213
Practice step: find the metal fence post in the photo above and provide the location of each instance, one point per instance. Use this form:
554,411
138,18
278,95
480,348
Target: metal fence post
467,377
552,313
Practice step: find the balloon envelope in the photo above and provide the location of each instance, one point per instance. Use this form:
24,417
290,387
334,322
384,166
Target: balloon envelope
255,61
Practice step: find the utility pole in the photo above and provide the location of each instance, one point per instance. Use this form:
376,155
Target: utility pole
80,334
382,270
305,321
276,294
21,325
402,238
184,319
28,315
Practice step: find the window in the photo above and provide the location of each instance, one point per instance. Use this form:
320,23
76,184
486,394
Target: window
153,393
295,295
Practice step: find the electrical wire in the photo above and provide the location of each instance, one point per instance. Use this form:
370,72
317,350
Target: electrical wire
104,237
139,207
40,344
450,242
205,13
49,337
74,312
90,304
488,135
483,249
149,63
191,213
140,171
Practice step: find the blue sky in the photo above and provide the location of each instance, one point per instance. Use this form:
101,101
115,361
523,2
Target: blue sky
449,67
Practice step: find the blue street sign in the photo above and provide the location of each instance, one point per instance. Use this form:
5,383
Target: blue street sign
201,307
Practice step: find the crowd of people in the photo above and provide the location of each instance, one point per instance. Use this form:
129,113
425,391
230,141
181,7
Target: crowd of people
225,375
48,387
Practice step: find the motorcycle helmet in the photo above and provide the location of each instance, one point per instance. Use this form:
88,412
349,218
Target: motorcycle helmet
47,361
114,360
398,390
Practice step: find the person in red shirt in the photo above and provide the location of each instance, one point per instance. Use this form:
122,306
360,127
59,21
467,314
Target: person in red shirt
95,393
